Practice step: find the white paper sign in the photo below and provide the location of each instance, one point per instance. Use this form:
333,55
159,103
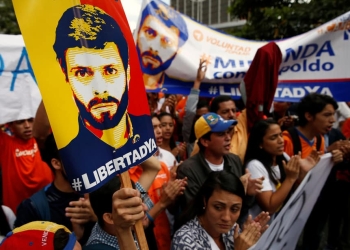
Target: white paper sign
284,232
19,93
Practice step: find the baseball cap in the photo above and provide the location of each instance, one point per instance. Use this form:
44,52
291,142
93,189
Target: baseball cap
211,122
36,235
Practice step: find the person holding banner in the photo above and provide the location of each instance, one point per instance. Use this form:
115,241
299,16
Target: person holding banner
265,157
161,34
213,214
105,230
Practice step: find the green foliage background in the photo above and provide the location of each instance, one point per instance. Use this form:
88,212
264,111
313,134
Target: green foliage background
8,21
277,19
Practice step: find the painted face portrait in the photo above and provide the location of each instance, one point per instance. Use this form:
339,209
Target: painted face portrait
98,81
95,65
162,32
157,44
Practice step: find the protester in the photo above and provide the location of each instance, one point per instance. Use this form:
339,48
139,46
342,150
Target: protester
178,149
58,202
213,213
214,140
265,157
332,203
163,155
224,106
41,235
23,171
104,231
162,192
194,108
316,117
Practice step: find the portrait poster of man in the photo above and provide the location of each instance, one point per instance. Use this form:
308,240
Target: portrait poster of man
86,65
161,34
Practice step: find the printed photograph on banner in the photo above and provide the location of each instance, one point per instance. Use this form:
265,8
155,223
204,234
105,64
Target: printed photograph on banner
94,67
162,32
170,45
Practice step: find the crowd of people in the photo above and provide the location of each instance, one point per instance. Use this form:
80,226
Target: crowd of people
212,184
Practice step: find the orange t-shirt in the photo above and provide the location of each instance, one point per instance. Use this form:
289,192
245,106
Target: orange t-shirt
23,171
306,148
161,223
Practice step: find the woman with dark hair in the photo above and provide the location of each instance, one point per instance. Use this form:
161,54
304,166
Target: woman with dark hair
213,215
265,157
167,123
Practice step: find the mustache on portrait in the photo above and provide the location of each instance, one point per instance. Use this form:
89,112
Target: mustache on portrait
150,54
98,100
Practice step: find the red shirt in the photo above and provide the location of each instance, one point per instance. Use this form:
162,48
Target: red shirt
23,171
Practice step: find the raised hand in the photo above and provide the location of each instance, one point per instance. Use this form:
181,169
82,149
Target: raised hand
263,218
127,208
337,156
249,236
292,168
252,186
202,69
171,190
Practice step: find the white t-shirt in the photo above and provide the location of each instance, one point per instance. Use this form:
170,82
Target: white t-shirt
166,157
341,114
215,167
257,169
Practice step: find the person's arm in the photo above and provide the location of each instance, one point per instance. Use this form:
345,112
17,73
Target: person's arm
126,211
150,168
192,100
41,126
271,201
184,171
171,191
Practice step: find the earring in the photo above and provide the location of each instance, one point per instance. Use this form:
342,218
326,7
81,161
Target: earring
203,208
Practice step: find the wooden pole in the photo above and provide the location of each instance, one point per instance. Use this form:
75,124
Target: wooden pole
140,233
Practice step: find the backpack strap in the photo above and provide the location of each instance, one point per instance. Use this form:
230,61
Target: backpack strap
40,204
318,142
295,140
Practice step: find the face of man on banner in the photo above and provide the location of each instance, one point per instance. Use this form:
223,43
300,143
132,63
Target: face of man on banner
95,64
162,32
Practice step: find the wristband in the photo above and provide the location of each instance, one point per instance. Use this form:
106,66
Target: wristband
149,217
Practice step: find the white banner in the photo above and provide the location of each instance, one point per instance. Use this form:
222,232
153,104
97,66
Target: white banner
286,228
171,44
19,93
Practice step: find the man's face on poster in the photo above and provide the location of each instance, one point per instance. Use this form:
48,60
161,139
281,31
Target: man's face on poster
157,45
98,81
